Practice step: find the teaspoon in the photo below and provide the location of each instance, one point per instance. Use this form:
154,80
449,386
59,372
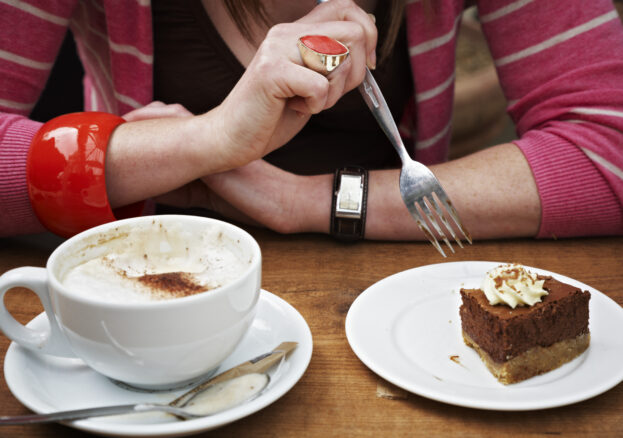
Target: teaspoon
216,398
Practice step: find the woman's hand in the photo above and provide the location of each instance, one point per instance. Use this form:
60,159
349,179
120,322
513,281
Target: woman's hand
198,194
276,95
258,194
274,198
163,147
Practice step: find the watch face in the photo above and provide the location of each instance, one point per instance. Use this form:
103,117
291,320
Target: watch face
348,210
349,197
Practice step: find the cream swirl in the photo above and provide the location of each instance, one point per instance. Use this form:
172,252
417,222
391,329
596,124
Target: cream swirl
512,285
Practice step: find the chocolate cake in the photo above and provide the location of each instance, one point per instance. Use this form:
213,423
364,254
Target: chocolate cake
522,342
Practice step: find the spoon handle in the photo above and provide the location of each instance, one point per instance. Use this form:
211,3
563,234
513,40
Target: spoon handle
67,415
78,414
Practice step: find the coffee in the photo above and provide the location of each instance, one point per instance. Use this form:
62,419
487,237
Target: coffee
154,262
110,298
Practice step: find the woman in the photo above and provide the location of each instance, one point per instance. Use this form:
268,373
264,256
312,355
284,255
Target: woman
562,177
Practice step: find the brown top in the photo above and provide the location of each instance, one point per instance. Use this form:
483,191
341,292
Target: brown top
556,292
194,67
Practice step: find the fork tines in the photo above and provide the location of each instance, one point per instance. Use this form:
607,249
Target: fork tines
430,217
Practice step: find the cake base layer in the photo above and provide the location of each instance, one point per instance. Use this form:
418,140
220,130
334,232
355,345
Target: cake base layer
537,360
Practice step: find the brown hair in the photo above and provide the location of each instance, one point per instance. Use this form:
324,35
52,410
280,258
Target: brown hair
241,11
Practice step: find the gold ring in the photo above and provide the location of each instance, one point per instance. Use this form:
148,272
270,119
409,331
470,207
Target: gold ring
321,53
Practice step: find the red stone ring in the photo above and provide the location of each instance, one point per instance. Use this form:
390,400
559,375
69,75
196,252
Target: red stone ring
321,53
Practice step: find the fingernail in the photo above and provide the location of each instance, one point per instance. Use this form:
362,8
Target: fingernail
372,17
372,60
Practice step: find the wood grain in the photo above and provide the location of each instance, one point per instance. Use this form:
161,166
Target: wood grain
338,396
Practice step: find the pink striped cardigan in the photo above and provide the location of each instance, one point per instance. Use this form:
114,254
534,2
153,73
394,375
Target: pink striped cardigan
560,63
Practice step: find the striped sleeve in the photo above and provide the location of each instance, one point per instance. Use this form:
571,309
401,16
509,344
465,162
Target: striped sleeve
431,36
31,34
115,45
560,63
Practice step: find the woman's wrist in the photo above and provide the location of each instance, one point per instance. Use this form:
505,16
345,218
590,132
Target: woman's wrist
66,173
147,158
209,144
217,144
313,200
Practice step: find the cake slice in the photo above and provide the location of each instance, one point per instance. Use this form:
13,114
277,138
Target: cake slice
516,340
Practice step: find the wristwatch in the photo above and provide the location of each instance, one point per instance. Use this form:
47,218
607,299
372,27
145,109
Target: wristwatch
348,209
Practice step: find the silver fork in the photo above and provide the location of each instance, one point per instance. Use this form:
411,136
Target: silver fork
417,183
419,187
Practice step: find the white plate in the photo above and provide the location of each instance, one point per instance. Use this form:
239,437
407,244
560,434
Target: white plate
406,328
46,384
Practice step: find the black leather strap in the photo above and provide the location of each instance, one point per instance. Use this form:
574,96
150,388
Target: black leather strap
347,224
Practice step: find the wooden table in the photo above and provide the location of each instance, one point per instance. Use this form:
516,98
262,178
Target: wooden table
338,395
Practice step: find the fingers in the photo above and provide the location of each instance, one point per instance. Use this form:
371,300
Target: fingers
198,194
348,11
156,110
292,79
309,92
276,94
277,62
224,208
352,71
289,79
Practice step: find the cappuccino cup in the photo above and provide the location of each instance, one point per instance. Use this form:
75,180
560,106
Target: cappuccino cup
154,302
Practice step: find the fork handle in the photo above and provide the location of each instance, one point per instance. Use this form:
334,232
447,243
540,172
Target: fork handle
375,100
373,97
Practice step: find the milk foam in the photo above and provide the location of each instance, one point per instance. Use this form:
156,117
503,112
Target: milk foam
156,263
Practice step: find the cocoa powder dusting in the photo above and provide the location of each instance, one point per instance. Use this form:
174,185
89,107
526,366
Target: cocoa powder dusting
175,284
508,274
498,282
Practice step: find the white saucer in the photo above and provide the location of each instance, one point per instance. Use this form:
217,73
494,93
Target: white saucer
46,384
406,328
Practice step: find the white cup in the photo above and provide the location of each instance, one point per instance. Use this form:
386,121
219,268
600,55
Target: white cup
154,344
